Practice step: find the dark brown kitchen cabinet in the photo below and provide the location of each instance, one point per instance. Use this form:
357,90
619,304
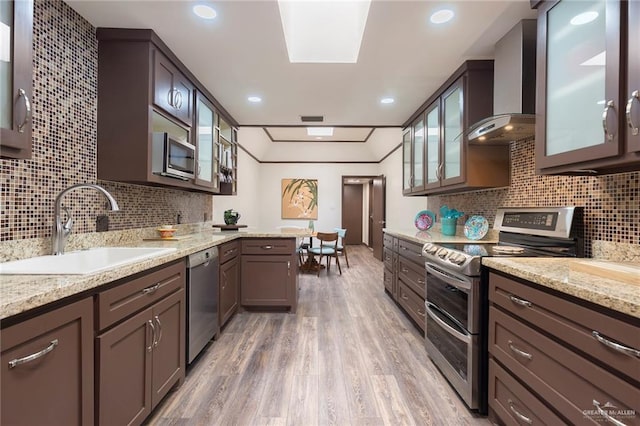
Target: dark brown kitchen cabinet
47,368
583,89
575,360
632,108
140,357
143,89
228,148
171,90
404,276
441,160
269,273
16,80
229,280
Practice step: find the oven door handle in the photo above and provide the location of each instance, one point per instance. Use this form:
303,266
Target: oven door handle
455,280
433,311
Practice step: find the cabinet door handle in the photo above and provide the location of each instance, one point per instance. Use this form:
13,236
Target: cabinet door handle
170,97
177,99
159,331
635,96
421,313
519,301
616,346
27,107
266,247
520,352
606,415
519,415
153,336
15,362
288,268
151,289
605,114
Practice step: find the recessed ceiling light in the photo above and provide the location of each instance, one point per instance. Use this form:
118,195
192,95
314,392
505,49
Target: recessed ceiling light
441,16
254,99
204,11
323,31
387,100
584,18
319,131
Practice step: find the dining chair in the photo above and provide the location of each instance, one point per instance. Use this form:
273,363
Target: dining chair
326,248
341,246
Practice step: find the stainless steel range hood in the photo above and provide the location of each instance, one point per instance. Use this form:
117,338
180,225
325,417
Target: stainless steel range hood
514,89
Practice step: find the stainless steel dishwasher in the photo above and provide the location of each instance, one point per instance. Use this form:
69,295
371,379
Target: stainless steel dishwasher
202,300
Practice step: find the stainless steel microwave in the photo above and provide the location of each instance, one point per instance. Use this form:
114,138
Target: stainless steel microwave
172,157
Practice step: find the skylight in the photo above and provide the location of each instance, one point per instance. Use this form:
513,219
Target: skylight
317,31
319,131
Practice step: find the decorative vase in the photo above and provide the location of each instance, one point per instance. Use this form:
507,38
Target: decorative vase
231,217
448,226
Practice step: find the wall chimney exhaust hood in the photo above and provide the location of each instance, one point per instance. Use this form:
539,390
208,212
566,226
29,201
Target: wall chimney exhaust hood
514,86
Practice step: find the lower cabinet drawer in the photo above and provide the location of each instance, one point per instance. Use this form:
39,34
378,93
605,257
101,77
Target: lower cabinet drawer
387,258
229,250
412,275
387,241
568,382
412,303
132,295
285,246
515,405
411,251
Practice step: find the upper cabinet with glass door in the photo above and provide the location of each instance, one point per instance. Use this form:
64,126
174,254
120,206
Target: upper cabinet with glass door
581,87
228,155
16,78
413,163
206,141
632,108
447,163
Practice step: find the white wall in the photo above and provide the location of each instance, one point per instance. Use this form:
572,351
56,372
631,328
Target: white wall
329,178
401,210
259,187
246,201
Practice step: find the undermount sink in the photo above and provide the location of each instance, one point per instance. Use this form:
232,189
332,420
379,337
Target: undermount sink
82,262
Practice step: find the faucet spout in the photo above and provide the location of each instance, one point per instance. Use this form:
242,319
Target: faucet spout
61,231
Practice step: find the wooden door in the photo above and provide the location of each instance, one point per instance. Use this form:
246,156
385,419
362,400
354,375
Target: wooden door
378,213
352,205
168,363
124,371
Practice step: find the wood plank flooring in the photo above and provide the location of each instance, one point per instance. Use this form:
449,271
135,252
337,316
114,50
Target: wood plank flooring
349,356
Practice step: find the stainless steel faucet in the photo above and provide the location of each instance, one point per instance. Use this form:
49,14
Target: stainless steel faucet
61,231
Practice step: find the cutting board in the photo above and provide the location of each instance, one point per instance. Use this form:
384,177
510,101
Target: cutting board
625,272
174,238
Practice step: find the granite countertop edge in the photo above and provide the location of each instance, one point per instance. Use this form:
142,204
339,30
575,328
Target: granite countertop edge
21,293
434,235
557,274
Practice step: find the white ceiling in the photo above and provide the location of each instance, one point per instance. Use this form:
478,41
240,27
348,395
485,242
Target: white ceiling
242,52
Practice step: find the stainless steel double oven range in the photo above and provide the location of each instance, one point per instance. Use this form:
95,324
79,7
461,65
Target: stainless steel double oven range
456,324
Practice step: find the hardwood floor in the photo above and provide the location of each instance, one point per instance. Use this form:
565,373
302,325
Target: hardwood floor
349,356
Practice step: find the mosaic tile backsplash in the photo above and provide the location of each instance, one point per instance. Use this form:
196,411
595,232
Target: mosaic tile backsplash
64,143
611,203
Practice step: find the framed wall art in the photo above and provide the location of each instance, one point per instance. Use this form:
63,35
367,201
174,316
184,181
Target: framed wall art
300,199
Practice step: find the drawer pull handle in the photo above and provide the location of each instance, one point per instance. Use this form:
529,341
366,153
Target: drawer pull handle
616,346
519,415
420,281
159,331
267,247
152,289
404,296
519,301
520,352
405,270
606,415
33,357
421,313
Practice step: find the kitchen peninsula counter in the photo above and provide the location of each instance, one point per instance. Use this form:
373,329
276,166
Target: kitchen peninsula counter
21,293
569,276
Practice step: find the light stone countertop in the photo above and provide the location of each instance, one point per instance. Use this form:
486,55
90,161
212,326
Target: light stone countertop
434,235
558,274
20,293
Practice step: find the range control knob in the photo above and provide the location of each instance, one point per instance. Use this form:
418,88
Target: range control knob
429,248
442,253
457,258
